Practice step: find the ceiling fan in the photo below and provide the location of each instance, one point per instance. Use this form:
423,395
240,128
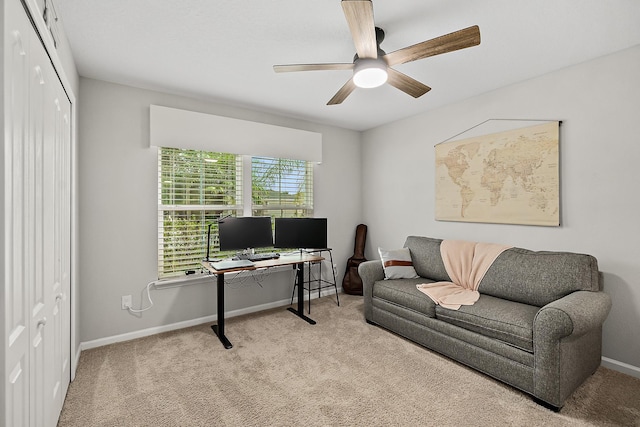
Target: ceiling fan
372,66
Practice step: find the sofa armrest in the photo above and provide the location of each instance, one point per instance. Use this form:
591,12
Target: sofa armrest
567,343
575,314
370,272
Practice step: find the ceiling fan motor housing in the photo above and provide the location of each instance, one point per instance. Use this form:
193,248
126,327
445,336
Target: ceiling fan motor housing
379,39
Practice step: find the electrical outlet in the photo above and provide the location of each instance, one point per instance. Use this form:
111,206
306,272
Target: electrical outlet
126,301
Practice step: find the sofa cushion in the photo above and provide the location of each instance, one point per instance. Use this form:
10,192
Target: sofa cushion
508,321
539,278
403,292
397,264
425,254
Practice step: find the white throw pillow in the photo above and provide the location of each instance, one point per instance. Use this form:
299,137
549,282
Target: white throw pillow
397,264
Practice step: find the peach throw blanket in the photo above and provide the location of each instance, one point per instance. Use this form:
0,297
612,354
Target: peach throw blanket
466,263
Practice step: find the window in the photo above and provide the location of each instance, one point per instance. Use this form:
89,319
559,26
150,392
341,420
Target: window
281,187
195,188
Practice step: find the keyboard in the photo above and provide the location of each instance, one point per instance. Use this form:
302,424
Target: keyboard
258,257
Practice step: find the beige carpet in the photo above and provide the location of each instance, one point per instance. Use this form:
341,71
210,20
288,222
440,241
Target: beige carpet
340,372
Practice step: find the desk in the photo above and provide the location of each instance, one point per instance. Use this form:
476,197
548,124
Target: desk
296,260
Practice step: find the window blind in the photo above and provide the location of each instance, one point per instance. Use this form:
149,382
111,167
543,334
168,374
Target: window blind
281,187
195,188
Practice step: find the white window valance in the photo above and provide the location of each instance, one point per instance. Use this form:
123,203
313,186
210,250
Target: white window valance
172,127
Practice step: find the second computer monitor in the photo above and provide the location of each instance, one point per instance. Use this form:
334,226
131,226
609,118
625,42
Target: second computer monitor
309,233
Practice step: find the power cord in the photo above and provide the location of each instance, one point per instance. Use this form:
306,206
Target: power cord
132,310
239,279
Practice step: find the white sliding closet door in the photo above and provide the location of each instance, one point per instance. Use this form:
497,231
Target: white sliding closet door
17,315
37,251
60,281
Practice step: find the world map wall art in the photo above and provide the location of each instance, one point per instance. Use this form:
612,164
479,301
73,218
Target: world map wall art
510,177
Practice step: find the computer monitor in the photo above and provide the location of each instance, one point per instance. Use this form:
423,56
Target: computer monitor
310,233
238,233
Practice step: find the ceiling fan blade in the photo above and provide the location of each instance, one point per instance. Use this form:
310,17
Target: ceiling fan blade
312,67
448,43
359,14
406,84
342,94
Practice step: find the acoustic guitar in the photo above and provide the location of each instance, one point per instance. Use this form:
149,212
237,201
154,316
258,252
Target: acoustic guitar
352,283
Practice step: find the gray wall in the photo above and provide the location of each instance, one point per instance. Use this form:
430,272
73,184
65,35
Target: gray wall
118,211
597,102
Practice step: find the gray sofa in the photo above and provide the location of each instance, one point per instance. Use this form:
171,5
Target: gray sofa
537,325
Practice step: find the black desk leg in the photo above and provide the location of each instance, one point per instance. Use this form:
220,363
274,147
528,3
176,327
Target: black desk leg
219,328
300,311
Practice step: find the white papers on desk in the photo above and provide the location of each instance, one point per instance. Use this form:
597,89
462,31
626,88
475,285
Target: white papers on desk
231,264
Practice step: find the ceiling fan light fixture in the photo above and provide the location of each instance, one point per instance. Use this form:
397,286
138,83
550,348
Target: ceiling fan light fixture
369,73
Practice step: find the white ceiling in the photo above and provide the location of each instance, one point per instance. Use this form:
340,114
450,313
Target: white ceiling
224,50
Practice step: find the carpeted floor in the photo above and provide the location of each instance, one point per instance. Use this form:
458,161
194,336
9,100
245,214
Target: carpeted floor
340,372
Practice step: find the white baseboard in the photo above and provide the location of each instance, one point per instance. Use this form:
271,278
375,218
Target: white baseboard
86,345
625,368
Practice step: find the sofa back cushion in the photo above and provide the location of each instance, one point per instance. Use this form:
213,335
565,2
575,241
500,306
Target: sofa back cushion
538,278
426,258
521,275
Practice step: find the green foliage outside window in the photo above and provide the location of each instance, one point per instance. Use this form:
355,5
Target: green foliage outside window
196,188
281,187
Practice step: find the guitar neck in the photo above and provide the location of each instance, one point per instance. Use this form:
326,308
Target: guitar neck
361,237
